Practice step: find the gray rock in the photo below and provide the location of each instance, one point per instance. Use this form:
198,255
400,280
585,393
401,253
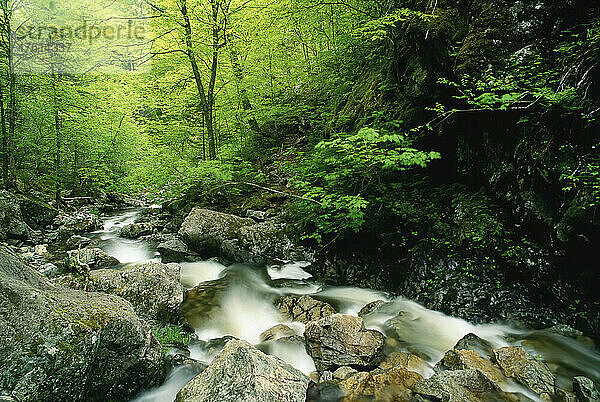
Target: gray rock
12,224
49,270
258,216
242,373
92,258
174,250
518,364
474,343
80,222
342,340
304,308
269,241
277,332
370,307
463,386
153,289
136,230
584,389
77,241
565,330
204,230
344,372
36,213
60,344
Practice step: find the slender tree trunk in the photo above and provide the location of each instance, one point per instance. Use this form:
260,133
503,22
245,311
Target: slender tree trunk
5,165
239,75
206,101
58,139
12,113
9,114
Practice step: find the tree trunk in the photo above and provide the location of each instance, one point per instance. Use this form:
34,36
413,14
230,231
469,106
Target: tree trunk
58,139
239,75
5,164
206,101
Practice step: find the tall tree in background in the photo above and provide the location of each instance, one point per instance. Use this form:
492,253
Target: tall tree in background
217,21
8,87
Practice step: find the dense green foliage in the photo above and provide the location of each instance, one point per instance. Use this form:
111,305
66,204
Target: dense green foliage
395,123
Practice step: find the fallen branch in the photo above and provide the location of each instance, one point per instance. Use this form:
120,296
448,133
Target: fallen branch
236,183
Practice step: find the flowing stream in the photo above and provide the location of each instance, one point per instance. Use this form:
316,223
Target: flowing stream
242,304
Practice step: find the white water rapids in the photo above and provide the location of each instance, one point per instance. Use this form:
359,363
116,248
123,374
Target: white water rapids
245,299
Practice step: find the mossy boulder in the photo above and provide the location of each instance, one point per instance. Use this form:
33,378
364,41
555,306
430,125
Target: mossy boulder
153,289
61,344
36,213
12,224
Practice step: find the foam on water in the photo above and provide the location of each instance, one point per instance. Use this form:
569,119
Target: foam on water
245,308
426,331
291,270
194,273
177,378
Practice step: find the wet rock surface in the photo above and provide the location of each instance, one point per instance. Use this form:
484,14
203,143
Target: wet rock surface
585,390
380,385
461,385
304,308
240,372
136,230
518,364
90,258
174,250
342,340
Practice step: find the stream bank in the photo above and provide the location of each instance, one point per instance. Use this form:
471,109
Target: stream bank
337,341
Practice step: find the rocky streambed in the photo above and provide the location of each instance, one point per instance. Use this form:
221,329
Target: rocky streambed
261,330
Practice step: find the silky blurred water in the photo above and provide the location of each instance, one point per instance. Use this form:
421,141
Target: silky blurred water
243,305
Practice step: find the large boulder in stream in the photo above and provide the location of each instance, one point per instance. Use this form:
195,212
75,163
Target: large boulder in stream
60,344
136,230
268,241
211,233
534,374
304,308
81,221
461,386
205,230
91,258
342,340
38,214
242,373
12,224
174,250
153,289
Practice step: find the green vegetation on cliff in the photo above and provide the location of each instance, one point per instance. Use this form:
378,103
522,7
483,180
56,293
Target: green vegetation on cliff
462,129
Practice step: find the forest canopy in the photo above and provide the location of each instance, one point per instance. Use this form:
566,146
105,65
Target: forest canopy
346,104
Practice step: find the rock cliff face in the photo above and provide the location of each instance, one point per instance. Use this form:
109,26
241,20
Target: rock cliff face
60,344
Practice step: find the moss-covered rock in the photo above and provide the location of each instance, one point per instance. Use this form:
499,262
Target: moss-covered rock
60,344
11,220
